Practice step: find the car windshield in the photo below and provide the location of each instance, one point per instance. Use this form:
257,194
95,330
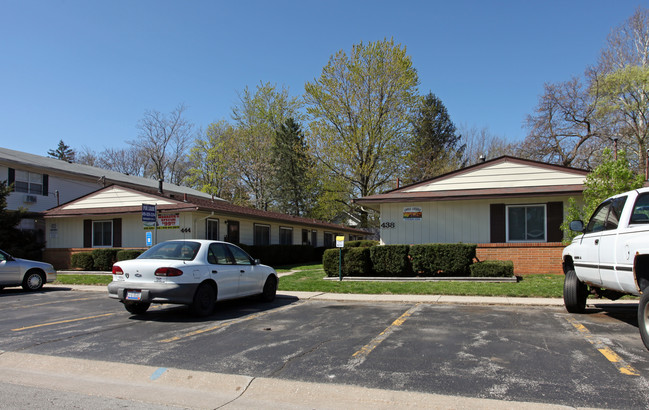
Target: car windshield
178,250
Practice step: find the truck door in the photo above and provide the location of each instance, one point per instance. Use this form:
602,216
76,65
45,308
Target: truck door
586,257
608,244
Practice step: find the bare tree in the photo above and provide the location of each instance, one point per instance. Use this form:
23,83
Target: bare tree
165,141
127,161
481,143
565,126
627,44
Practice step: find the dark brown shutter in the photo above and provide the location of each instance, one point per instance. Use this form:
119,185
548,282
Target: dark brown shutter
555,218
46,185
11,177
117,233
87,233
497,223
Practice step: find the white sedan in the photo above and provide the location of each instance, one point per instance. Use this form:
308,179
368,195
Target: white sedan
31,275
193,272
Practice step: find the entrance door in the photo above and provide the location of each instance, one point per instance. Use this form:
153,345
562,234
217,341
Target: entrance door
233,232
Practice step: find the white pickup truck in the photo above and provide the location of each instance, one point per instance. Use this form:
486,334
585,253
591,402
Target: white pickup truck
611,256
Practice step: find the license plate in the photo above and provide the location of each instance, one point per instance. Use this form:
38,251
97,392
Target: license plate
133,295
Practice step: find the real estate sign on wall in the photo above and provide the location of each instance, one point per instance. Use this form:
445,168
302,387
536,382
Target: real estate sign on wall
167,221
412,213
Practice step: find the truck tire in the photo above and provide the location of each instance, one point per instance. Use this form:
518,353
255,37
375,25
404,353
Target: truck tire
643,317
575,293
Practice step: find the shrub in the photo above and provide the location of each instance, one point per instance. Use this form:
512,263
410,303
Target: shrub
365,243
104,258
82,260
442,259
493,269
391,260
330,261
127,254
356,262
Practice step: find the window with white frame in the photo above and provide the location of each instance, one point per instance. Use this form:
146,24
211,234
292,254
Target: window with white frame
28,182
285,236
102,234
262,235
212,229
526,223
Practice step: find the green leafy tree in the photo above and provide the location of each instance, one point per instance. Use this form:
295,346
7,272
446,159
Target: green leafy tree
435,146
13,240
210,161
258,116
361,106
294,188
611,177
62,152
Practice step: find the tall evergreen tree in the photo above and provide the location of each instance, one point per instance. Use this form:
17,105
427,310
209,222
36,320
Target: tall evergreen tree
62,152
293,187
435,147
12,239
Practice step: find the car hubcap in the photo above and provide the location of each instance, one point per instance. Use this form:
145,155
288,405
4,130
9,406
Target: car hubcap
646,318
34,281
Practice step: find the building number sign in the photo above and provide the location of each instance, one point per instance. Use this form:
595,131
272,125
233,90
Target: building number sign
388,225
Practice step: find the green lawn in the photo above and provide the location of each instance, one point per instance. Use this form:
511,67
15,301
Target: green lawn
310,278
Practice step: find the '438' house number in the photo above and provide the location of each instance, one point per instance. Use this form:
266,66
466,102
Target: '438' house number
388,225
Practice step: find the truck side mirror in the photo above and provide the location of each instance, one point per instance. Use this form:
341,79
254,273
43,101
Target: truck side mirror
577,226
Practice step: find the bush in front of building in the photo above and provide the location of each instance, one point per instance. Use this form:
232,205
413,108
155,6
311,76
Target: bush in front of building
442,259
492,269
127,254
355,262
391,260
82,260
363,243
104,258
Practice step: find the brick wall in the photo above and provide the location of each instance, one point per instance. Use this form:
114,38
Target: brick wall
528,258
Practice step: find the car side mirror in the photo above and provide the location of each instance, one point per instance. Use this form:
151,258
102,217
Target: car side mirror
257,262
577,226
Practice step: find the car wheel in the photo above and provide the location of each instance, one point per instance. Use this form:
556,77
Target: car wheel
270,289
137,308
643,317
33,280
204,300
575,293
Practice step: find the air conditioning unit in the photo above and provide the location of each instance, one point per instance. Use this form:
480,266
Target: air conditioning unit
29,199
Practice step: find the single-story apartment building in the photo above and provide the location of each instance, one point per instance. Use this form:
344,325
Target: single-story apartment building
113,217
511,207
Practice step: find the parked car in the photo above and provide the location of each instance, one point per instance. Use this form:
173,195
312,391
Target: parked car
31,275
192,272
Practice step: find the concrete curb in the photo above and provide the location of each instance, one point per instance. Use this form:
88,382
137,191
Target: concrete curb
197,389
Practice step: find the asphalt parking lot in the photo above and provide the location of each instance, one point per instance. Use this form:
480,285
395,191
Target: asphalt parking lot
513,353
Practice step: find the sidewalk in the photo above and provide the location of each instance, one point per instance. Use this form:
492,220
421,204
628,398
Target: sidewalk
439,299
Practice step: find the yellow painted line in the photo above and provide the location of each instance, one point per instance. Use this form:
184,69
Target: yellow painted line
360,355
606,351
224,324
61,322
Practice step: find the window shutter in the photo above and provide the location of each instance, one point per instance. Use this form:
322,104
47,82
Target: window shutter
11,177
46,183
497,223
117,233
87,233
555,218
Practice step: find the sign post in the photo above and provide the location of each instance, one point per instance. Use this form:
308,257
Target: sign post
340,244
149,218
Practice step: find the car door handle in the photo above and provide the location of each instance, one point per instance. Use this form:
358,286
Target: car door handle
596,241
242,271
214,271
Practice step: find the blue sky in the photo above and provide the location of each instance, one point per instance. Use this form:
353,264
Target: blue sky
85,71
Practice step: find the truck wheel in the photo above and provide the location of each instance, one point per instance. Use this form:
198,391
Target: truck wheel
575,293
643,317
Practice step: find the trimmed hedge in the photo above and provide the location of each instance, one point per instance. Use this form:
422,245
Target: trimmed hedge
82,260
442,259
104,258
492,269
364,243
127,254
355,261
390,260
